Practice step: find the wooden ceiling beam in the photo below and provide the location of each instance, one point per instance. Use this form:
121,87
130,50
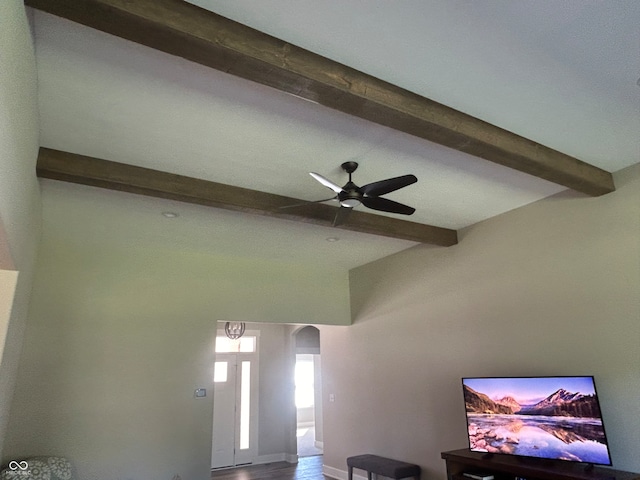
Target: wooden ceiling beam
70,167
198,35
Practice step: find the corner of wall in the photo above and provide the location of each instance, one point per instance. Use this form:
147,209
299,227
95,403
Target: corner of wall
20,207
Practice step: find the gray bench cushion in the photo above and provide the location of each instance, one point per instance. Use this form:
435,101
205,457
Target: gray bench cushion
383,466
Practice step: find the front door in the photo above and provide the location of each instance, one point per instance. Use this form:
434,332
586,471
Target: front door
234,400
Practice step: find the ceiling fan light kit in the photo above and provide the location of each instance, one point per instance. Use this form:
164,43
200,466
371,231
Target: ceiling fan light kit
350,202
351,196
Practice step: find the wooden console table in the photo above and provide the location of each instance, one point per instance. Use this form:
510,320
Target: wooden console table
508,467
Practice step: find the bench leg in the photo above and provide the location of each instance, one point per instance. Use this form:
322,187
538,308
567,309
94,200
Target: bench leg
350,473
369,475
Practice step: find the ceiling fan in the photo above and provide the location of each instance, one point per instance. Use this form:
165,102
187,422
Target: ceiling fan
350,195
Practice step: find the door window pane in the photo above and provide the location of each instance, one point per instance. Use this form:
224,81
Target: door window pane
244,344
245,403
220,372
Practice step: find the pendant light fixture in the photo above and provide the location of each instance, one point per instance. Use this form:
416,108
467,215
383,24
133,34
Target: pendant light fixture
234,330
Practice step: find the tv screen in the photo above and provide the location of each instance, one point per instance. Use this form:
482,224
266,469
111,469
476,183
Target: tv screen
547,417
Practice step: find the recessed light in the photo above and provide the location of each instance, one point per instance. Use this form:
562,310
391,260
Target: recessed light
170,214
332,239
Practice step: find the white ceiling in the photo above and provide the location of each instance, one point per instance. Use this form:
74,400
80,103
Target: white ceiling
561,73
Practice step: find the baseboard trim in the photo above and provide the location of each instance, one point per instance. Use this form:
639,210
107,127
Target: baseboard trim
275,457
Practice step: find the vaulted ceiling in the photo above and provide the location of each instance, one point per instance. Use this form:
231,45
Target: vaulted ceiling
492,105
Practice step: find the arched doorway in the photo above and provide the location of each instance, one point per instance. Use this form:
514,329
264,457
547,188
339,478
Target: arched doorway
308,392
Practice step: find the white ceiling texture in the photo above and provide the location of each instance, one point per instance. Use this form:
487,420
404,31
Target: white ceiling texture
564,74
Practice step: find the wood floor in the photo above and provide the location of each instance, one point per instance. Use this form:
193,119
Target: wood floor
307,468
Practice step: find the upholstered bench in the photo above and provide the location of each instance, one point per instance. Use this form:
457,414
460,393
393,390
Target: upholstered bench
382,466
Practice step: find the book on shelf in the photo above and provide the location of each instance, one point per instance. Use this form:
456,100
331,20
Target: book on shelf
478,475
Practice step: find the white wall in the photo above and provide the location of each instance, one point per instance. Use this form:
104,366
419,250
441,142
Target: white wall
549,289
19,194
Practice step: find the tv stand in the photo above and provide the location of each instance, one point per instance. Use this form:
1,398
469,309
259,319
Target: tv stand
508,467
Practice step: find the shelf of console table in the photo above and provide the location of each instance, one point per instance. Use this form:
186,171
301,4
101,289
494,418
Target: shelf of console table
508,467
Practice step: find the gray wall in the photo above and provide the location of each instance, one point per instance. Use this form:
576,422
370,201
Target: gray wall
118,340
277,415
19,194
552,288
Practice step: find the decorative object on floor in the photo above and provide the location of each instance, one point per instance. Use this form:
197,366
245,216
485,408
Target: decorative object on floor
234,330
386,467
39,468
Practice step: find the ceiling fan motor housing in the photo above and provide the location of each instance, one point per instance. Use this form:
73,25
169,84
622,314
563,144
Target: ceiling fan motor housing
350,196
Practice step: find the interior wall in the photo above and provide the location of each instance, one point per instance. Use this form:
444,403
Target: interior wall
118,341
277,407
19,194
552,288
6,260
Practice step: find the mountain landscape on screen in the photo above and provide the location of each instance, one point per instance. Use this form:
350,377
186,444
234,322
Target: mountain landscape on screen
512,417
560,402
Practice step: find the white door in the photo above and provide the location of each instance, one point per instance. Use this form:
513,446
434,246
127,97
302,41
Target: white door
234,434
224,406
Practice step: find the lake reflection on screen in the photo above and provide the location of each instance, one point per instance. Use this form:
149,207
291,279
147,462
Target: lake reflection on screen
565,438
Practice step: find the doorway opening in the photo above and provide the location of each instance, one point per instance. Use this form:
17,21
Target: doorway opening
308,392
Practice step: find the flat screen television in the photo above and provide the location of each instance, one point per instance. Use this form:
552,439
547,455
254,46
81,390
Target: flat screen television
554,418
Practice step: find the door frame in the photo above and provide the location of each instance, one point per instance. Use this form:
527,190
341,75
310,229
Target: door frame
249,455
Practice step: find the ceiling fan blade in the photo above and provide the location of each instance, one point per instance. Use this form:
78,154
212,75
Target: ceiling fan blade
389,185
307,203
341,215
326,182
386,205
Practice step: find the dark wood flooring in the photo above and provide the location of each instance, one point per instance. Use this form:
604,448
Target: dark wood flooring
307,468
